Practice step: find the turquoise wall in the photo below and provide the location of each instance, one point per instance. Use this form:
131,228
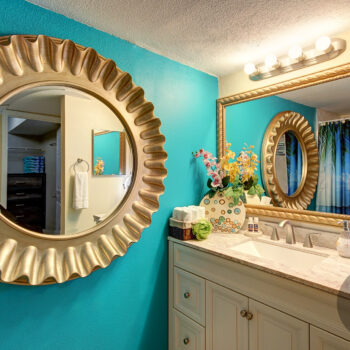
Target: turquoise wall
247,122
125,305
107,148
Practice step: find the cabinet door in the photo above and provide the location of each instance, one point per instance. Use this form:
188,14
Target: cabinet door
321,340
188,335
270,329
226,329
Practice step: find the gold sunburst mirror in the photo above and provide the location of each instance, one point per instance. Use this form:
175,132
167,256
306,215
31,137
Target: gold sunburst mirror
290,128
68,115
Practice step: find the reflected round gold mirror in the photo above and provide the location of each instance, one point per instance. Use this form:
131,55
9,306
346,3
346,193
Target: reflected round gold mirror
82,160
290,161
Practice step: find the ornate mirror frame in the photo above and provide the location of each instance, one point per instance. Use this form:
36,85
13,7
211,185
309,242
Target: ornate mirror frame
27,257
339,72
280,124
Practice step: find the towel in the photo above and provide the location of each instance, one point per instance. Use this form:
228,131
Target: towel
81,191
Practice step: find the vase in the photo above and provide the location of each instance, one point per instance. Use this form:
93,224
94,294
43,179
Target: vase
223,215
252,198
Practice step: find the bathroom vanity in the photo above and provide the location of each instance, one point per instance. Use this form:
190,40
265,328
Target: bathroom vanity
232,292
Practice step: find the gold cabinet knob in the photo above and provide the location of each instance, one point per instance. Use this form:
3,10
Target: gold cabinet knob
244,313
249,316
186,340
187,295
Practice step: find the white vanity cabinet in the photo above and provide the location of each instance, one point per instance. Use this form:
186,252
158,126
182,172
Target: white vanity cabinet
217,304
322,340
270,329
226,329
234,321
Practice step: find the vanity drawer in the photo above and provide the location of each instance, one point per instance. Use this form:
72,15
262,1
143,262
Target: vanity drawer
189,295
188,335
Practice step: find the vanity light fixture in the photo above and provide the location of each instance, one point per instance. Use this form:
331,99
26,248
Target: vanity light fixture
323,44
296,53
250,69
325,49
271,62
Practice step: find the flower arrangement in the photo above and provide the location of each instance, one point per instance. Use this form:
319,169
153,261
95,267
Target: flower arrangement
230,175
99,167
248,164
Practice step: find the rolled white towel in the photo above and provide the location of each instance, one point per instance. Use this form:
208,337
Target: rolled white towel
195,212
178,214
187,214
201,211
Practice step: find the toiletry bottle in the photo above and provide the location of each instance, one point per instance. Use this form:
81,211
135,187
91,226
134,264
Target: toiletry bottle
343,242
256,224
250,224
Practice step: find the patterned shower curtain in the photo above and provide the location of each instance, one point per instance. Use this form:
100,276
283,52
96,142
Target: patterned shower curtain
333,191
294,159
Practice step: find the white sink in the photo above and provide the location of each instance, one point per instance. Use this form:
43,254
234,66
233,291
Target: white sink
286,256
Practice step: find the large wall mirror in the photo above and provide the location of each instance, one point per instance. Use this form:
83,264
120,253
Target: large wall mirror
82,160
301,130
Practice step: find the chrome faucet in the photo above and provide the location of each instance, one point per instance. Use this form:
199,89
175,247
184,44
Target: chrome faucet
290,237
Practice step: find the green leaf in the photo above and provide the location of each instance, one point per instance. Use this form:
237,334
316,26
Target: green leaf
252,191
211,193
255,179
259,190
236,183
226,181
229,192
209,183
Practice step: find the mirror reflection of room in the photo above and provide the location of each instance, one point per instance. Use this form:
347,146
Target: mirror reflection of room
48,183
326,107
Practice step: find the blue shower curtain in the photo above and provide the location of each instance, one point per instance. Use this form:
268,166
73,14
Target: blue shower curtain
333,191
294,159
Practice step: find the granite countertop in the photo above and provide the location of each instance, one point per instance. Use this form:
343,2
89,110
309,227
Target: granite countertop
332,274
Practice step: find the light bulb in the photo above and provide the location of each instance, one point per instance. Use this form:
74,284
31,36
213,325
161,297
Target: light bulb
296,53
250,69
324,44
271,61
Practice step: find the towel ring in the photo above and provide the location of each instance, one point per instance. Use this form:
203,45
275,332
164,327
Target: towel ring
80,160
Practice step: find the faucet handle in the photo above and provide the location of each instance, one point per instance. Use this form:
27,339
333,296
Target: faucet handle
307,241
274,234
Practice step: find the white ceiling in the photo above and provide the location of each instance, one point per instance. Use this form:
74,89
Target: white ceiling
333,96
217,37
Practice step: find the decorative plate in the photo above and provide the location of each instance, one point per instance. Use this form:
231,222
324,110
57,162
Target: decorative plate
223,214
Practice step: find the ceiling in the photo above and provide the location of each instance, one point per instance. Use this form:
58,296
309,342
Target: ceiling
43,102
42,99
333,96
33,127
216,37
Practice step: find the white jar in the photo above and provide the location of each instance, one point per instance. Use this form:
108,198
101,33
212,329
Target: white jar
343,244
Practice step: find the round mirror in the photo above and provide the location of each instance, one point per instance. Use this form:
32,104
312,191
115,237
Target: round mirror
66,160
289,163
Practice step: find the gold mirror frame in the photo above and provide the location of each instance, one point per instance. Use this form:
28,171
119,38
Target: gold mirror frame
339,72
27,257
280,124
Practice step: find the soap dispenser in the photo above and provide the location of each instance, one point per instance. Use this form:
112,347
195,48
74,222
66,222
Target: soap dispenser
343,243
